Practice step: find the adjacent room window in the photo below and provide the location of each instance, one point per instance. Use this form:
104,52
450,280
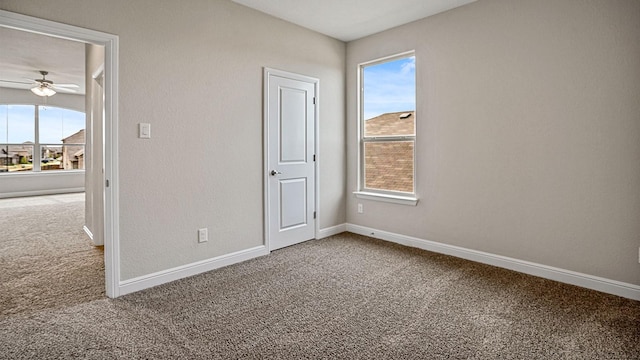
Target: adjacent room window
388,126
36,138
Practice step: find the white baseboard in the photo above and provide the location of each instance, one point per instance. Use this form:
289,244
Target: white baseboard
92,238
88,232
40,192
165,276
609,286
334,230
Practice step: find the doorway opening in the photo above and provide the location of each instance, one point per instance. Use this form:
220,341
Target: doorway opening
106,190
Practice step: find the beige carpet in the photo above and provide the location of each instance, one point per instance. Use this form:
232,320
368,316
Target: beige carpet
46,260
344,297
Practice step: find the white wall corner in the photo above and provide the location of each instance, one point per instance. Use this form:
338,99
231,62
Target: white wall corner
609,286
180,272
330,231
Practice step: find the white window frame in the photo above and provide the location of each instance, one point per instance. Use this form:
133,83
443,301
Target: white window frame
397,197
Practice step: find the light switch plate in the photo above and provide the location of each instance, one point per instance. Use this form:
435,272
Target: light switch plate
144,131
203,235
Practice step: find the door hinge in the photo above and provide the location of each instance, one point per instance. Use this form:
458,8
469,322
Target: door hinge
314,100
314,214
314,157
106,183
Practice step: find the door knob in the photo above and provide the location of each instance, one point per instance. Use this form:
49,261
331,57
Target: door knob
274,173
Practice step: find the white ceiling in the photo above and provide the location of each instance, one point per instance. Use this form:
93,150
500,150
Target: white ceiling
348,20
24,54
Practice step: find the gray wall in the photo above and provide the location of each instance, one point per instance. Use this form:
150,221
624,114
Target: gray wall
194,71
528,141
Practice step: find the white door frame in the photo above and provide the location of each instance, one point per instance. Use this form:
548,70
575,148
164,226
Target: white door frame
111,206
267,73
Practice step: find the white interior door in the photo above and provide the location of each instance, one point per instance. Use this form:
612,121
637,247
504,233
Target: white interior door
290,158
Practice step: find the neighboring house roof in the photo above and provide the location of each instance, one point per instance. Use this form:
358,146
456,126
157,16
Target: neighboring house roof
396,123
389,164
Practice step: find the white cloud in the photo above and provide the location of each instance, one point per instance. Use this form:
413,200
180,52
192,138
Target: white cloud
408,67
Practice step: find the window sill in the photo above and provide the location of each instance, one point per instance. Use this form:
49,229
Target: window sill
40,173
395,199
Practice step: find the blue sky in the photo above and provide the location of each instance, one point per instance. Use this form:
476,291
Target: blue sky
389,87
17,124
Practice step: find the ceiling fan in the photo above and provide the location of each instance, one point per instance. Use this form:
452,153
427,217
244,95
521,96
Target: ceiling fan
44,87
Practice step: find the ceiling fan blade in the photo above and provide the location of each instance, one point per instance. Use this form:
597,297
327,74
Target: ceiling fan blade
63,89
17,82
66,85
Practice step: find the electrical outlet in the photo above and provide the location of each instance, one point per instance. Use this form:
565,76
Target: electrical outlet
360,209
203,235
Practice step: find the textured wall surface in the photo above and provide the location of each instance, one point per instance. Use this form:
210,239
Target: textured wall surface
194,71
528,133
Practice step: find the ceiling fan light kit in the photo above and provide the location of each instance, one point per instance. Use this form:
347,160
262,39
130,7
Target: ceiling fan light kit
44,86
43,90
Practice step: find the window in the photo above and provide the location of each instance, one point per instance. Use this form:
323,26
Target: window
36,138
388,129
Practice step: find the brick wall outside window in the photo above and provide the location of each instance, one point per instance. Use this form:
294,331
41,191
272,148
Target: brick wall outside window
389,164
